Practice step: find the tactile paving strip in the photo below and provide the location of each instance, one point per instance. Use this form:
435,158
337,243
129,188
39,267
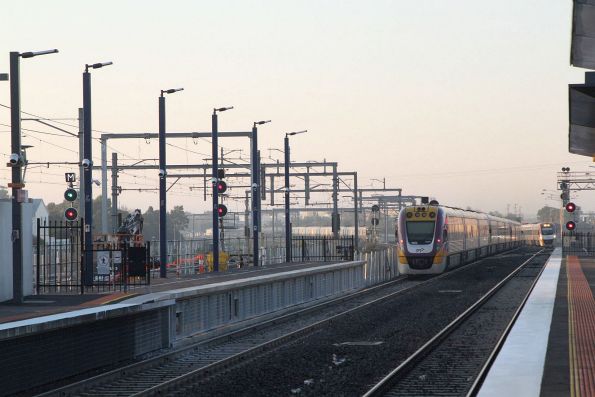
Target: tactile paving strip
581,330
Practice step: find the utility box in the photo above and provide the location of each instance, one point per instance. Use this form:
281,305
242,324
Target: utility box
6,249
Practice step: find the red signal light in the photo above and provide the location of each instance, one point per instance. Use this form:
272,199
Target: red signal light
221,210
221,187
570,225
570,207
71,214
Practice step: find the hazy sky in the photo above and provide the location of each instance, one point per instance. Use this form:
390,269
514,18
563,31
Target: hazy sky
463,100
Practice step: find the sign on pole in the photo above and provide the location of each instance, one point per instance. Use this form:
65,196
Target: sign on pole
70,177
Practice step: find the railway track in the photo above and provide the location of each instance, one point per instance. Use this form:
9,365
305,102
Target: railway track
170,370
176,372
444,364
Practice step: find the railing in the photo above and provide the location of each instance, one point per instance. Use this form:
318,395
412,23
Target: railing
578,243
58,257
188,257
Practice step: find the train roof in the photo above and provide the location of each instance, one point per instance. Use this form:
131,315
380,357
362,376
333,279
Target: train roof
454,211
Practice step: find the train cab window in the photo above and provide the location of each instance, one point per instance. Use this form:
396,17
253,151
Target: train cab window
547,231
420,232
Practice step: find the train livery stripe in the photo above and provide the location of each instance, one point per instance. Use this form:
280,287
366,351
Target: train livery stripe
581,315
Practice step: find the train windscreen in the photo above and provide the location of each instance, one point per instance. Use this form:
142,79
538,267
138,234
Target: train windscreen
420,232
547,230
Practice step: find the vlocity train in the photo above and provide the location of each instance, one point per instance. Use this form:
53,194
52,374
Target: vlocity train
433,238
540,234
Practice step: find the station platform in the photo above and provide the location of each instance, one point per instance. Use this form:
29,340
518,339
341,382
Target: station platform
550,350
51,304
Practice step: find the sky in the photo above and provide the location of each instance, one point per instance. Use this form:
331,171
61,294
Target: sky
461,100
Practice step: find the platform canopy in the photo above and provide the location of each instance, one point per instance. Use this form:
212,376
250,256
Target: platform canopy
581,136
582,52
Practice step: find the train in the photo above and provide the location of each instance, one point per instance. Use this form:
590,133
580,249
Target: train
432,238
539,234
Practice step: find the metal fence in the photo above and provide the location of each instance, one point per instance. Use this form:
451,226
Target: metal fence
322,248
59,249
59,262
578,243
187,257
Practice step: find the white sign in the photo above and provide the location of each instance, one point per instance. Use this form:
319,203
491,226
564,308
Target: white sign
117,257
103,263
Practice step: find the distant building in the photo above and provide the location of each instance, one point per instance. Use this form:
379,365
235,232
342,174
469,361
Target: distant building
39,211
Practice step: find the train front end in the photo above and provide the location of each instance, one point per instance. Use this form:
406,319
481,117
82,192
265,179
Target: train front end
547,234
421,245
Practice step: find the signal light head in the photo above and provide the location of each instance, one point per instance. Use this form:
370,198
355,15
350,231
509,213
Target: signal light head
70,194
221,210
570,207
71,214
221,187
570,225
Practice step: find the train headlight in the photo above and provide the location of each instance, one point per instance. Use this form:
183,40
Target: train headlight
409,215
432,214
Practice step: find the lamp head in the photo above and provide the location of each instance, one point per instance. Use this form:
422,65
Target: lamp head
31,54
97,65
222,109
295,133
171,91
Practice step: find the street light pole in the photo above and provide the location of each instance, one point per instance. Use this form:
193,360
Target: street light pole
88,171
255,191
214,180
162,187
17,180
287,217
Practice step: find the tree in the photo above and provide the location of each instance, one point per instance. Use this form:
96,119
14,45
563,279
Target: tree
548,214
176,220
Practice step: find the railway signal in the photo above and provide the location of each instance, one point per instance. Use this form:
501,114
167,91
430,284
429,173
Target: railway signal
570,207
570,225
221,187
221,210
70,194
71,214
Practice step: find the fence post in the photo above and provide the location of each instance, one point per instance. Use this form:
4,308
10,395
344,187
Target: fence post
303,249
324,247
148,265
125,267
82,252
38,260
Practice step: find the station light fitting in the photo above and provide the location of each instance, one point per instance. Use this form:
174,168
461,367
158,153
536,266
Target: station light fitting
261,122
222,109
31,54
97,65
171,91
295,133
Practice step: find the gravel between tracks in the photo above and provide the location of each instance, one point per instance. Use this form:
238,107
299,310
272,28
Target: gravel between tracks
345,357
452,367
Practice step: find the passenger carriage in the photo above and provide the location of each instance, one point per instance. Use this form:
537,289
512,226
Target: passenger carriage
433,238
